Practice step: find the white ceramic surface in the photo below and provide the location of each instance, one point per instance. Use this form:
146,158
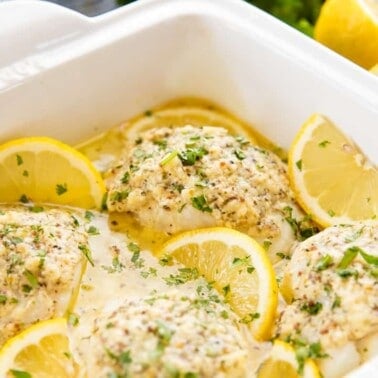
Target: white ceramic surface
70,77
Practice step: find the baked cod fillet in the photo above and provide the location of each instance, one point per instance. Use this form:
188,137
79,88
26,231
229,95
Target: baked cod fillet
164,335
332,282
192,177
41,263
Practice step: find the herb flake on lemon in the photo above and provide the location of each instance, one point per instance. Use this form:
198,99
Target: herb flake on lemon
350,27
44,170
41,351
237,266
332,179
284,361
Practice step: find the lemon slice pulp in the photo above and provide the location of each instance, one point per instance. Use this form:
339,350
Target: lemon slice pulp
42,169
332,179
237,266
41,351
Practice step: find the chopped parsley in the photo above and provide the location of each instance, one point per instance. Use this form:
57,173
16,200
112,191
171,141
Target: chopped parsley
331,213
26,288
36,209
24,198
164,334
88,215
184,275
61,189
125,178
133,247
120,196
370,259
239,154
224,314
226,290
283,256
299,164
267,244
124,358
162,143
200,203
324,143
73,319
337,302
32,279
117,266
75,221
303,351
92,230
349,256
302,228
249,318
25,173
312,308
324,263
245,261
104,200
19,159
137,260
3,299
86,252
20,374
191,155
241,139
166,260
345,273
150,272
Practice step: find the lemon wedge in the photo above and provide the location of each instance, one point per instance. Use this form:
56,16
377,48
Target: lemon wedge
41,351
350,27
282,362
178,116
238,267
332,179
41,169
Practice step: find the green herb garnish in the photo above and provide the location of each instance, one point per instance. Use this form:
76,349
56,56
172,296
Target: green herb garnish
191,155
324,263
61,189
86,252
200,203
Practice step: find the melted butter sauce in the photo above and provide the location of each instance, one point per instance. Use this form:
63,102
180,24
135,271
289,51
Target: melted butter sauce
103,286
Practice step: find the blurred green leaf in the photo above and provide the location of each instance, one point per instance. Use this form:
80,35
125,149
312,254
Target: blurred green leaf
301,14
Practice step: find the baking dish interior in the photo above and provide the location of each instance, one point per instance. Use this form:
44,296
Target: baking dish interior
229,52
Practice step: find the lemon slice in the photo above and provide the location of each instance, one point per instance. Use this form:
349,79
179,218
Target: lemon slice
237,266
282,362
179,116
350,27
332,179
40,351
45,170
374,70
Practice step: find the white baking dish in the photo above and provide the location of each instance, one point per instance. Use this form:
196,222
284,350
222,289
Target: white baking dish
70,77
